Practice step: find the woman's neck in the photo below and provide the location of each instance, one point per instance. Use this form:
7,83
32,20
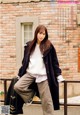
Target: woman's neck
38,42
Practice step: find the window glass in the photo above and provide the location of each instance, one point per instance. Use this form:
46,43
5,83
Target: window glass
28,30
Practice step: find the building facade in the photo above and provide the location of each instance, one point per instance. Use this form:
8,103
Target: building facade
18,20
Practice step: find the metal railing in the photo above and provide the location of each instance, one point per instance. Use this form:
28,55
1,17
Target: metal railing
65,96
65,104
5,87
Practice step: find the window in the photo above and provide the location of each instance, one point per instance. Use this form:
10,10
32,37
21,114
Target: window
27,34
25,27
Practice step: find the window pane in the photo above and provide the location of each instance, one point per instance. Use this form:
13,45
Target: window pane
30,27
30,35
25,28
27,32
26,38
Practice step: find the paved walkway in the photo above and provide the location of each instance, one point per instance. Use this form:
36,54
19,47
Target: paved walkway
36,109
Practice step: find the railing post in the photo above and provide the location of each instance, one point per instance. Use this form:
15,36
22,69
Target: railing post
5,88
65,97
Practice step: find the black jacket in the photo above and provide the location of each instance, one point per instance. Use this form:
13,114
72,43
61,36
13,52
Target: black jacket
13,99
52,70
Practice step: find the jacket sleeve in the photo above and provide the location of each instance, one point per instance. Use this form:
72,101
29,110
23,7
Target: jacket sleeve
25,47
21,69
55,62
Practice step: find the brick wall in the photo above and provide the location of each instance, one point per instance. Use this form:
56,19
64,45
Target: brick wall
60,19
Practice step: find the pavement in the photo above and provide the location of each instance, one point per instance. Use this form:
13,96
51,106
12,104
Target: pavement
36,109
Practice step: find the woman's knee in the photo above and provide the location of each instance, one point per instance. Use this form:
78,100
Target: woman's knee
16,87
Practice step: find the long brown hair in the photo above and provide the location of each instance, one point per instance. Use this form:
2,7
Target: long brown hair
45,44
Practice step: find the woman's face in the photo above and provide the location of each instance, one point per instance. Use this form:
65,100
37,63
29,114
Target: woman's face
41,35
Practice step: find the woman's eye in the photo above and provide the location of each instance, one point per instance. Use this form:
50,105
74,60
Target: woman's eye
40,33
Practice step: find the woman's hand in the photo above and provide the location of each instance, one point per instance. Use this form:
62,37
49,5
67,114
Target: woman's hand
18,77
60,78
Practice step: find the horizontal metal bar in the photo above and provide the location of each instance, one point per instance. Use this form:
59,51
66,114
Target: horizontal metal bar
3,79
62,82
72,81
1,100
71,104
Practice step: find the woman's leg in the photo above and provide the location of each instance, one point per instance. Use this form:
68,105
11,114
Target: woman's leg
21,87
46,99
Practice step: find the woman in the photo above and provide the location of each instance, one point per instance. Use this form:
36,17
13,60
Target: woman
40,72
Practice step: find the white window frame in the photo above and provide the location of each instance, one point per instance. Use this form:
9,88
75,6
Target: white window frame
19,40
25,24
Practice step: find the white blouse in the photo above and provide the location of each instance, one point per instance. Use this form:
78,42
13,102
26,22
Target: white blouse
36,65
